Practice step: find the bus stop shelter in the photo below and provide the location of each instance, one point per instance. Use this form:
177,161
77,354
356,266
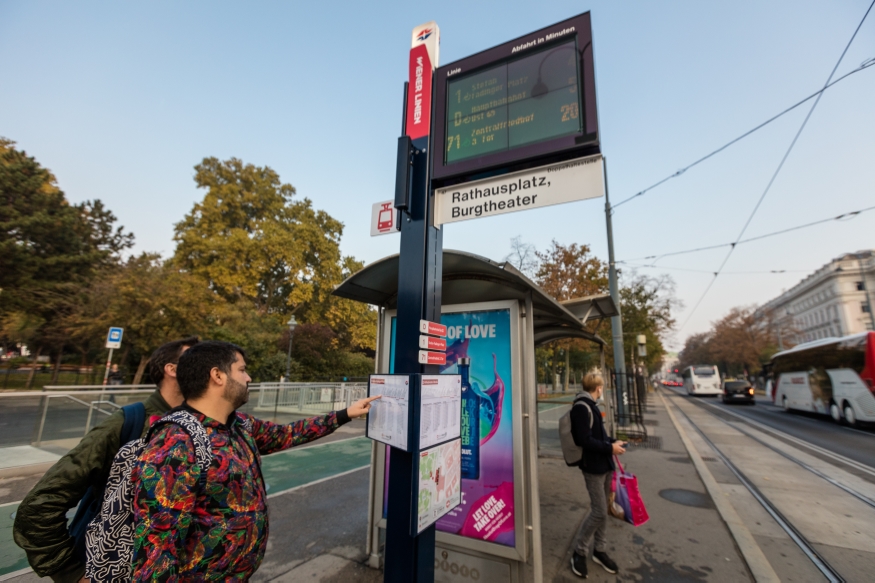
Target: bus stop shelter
480,294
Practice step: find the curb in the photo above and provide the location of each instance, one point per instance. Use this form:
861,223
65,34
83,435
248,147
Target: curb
759,566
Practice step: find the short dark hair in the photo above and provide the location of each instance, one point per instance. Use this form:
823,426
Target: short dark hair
168,354
193,371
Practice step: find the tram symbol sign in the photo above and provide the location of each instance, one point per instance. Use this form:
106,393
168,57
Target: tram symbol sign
383,218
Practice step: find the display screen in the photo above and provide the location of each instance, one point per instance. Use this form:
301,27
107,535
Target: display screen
520,102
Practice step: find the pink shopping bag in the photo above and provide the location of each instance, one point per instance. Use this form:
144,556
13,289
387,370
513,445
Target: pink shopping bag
625,487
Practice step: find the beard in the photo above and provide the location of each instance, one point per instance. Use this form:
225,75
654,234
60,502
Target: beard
236,393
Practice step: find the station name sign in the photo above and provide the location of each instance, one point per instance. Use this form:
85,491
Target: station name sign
525,103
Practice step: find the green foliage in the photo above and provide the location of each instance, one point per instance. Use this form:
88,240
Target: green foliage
251,241
646,305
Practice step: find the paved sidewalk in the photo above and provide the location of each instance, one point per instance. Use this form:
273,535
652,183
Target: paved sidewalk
318,529
685,538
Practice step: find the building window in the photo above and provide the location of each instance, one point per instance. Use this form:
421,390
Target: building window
865,307
859,285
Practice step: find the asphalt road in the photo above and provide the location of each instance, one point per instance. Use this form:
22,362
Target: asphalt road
857,444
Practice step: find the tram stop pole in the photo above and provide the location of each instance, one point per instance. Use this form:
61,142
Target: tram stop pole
410,558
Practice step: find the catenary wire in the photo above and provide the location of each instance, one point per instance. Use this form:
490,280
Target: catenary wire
777,171
864,65
843,216
672,268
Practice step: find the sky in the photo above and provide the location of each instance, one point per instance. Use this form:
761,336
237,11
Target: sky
121,100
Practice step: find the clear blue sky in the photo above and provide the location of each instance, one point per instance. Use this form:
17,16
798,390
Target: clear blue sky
121,99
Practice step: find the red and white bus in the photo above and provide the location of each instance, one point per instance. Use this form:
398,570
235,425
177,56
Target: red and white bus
832,376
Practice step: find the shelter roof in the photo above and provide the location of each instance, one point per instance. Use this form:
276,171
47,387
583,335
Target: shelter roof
469,278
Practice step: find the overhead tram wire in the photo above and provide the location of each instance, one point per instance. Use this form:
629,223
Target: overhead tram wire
672,268
777,170
864,65
845,216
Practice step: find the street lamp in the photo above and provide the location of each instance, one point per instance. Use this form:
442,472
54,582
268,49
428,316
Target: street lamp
292,324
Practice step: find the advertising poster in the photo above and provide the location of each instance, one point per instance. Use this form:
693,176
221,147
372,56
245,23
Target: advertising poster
439,483
486,511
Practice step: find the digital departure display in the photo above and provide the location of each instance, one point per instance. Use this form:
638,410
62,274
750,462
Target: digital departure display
519,102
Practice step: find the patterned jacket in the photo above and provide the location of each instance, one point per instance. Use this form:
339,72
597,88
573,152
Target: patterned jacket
219,532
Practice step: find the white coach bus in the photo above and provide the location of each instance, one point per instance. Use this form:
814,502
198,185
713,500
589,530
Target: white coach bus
702,379
831,376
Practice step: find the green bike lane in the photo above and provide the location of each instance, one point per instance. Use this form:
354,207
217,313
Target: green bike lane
283,472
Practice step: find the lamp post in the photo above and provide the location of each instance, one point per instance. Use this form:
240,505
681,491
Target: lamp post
292,324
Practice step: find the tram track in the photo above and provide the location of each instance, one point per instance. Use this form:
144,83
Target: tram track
799,539
832,455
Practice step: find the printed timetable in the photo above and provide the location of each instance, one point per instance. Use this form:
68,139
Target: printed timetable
519,102
441,414
387,419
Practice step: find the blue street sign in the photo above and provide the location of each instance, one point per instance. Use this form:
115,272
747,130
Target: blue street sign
114,337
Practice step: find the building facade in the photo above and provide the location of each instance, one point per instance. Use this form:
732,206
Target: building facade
833,301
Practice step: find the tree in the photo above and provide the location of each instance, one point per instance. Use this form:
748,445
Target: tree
697,350
251,241
646,305
49,249
739,343
152,300
523,256
568,272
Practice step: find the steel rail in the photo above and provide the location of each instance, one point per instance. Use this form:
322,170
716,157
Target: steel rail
797,537
791,438
861,497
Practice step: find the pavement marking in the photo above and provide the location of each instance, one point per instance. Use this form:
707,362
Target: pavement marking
753,555
289,470
802,442
14,574
319,481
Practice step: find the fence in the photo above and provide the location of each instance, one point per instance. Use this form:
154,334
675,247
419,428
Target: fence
309,397
629,415
59,416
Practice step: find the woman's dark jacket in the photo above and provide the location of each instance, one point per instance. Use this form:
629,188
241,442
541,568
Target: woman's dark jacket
596,444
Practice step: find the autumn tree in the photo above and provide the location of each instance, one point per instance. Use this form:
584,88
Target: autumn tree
697,350
740,343
568,272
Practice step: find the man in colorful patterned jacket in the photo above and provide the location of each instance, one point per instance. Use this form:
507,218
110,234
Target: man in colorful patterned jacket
218,531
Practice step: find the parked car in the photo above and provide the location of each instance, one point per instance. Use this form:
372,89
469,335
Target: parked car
737,391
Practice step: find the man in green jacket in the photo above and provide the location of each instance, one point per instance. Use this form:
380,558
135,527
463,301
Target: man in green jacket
41,520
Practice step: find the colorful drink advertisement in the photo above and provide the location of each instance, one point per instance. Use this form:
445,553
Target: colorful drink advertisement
486,511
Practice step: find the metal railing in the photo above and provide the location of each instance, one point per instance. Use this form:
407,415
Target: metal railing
61,413
628,417
309,397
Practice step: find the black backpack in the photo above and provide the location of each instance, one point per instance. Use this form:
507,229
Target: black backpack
91,502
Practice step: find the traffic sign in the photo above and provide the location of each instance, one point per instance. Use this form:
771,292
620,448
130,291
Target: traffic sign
432,328
429,357
432,343
114,338
383,219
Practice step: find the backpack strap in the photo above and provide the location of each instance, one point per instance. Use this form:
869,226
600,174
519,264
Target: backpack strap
135,418
581,400
203,449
